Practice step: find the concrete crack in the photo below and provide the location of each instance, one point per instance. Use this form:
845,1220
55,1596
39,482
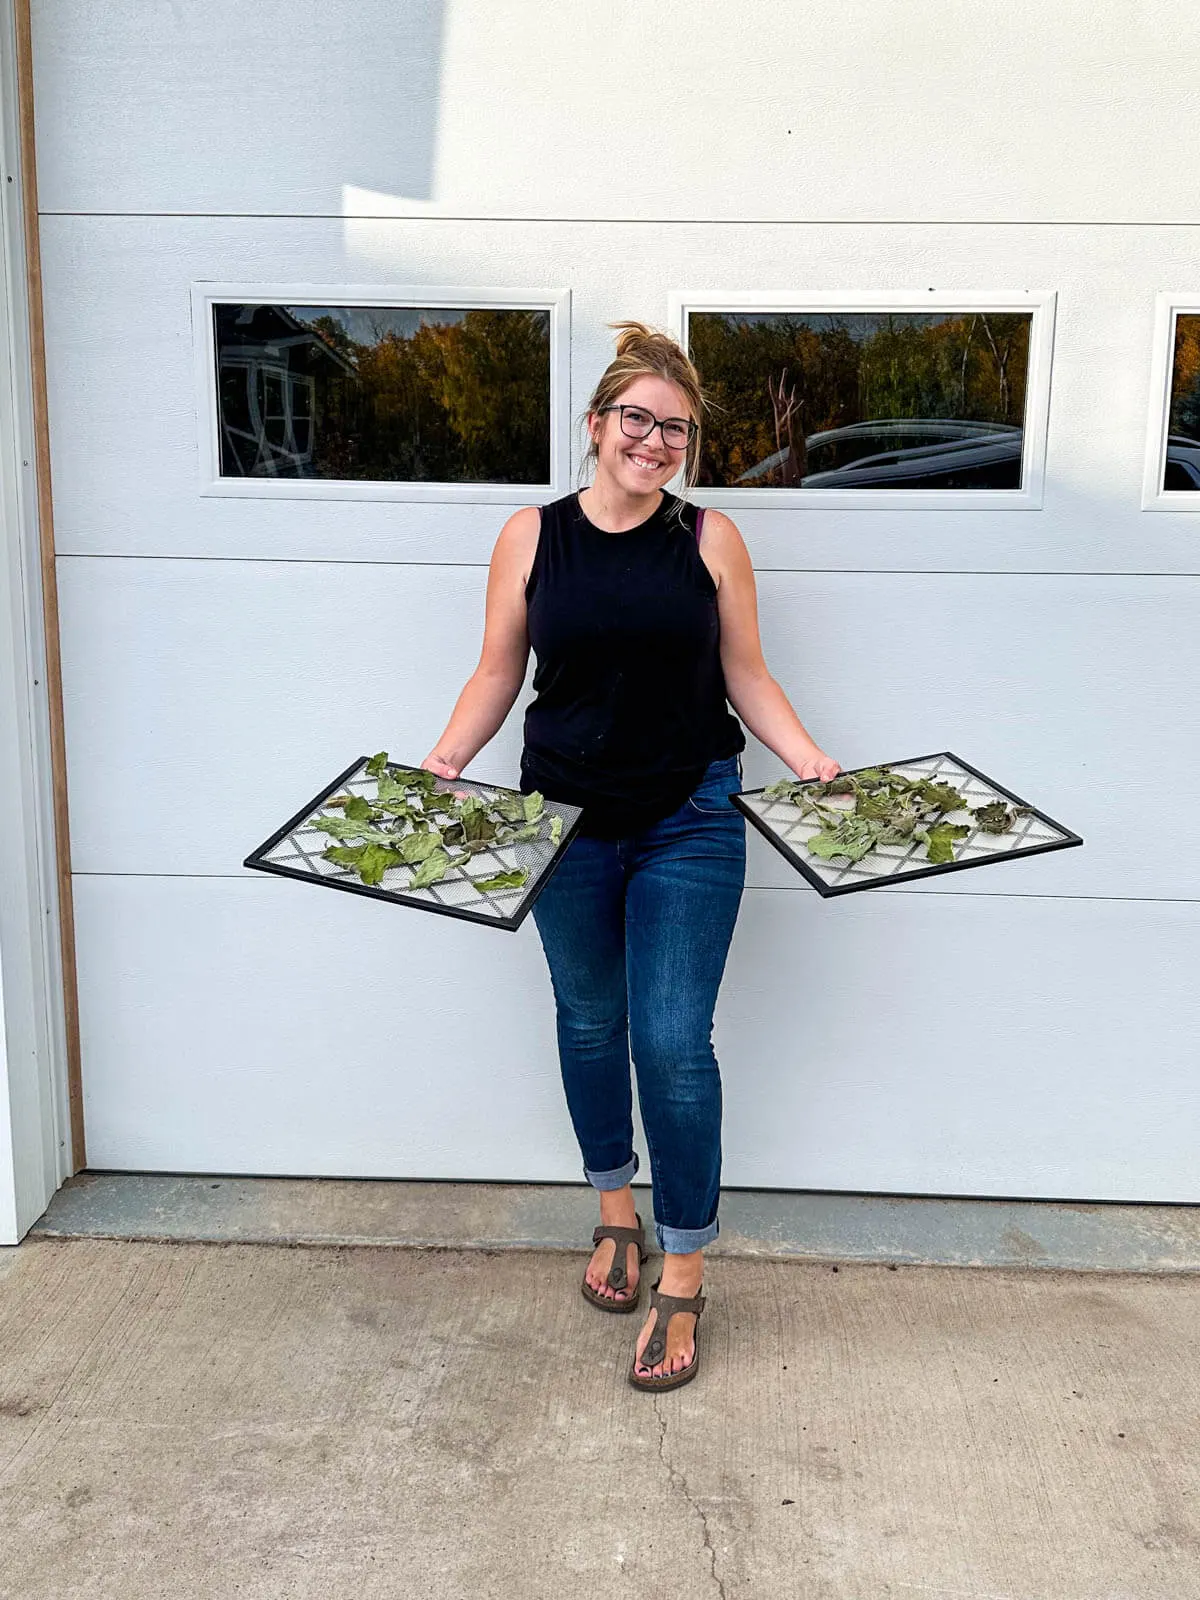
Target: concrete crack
679,1481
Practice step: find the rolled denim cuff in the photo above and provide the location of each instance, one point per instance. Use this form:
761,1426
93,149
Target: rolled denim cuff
616,1179
682,1241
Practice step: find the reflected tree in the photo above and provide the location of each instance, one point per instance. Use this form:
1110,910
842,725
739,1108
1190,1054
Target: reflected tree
778,380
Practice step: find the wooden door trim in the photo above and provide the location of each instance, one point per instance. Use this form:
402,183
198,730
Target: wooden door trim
49,577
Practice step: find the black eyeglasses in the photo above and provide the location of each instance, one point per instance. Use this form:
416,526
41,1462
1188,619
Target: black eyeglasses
638,423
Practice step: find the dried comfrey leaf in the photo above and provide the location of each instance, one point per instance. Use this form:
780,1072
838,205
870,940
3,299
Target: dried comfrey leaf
503,880
415,847
432,870
398,827
370,861
853,838
939,840
888,809
942,796
994,817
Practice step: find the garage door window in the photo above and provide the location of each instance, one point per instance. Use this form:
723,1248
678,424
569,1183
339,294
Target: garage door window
335,395
861,401
1173,446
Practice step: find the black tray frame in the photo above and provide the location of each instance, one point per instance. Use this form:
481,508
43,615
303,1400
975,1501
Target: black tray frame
828,891
510,924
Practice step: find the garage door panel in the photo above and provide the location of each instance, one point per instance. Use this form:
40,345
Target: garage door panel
122,388
206,701
884,1042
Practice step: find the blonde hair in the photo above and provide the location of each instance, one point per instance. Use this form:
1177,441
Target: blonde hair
645,352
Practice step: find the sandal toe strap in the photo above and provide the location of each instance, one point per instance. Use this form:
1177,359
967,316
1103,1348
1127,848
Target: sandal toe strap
666,1305
618,1273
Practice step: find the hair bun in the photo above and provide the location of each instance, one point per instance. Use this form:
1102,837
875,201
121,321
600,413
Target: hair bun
635,336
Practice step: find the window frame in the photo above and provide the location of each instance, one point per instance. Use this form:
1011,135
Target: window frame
1168,307
206,295
1029,497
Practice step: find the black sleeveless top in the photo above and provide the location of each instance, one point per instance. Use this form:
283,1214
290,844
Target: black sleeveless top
630,701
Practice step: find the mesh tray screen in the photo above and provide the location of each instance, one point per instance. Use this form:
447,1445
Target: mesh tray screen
782,824
297,850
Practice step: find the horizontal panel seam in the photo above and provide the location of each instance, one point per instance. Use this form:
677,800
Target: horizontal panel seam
645,222
958,894
759,566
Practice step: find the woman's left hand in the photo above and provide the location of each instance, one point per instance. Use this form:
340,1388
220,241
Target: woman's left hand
818,765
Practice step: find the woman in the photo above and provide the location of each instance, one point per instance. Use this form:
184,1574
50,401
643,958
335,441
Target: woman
643,619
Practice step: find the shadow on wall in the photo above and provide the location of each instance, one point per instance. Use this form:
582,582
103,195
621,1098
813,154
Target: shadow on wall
393,155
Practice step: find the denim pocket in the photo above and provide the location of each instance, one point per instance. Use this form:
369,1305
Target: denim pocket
711,796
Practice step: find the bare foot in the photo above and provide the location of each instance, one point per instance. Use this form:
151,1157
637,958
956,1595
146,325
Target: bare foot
683,1276
617,1210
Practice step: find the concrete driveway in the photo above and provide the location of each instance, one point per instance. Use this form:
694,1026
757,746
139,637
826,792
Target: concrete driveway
200,1420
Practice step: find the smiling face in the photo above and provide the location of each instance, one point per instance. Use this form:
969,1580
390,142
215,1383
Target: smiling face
639,466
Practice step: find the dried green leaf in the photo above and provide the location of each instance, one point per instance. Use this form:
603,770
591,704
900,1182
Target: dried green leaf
556,827
374,862
419,845
994,817
899,831
391,788
359,809
432,870
511,806
531,831
345,855
853,838
370,861
477,825
942,796
534,806
338,827
376,764
503,880
939,840
877,807
789,789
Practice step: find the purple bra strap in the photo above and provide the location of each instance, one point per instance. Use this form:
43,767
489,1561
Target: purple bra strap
699,523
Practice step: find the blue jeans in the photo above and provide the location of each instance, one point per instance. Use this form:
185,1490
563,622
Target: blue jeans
635,933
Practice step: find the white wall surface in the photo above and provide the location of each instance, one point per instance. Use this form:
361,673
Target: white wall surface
868,110
1024,1030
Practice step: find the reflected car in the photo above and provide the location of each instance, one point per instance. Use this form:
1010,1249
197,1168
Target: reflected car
906,453
1182,467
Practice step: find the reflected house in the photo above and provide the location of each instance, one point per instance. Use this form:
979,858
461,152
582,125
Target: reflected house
901,453
268,363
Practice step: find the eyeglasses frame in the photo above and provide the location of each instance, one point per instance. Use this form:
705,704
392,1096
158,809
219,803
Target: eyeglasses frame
658,422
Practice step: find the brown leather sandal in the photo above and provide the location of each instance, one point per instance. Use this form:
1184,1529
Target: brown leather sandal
618,1273
656,1345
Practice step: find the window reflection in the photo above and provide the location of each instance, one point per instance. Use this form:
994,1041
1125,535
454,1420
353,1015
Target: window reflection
894,400
390,394
1182,466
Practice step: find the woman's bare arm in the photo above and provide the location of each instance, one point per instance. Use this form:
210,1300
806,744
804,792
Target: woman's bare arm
488,694
753,692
